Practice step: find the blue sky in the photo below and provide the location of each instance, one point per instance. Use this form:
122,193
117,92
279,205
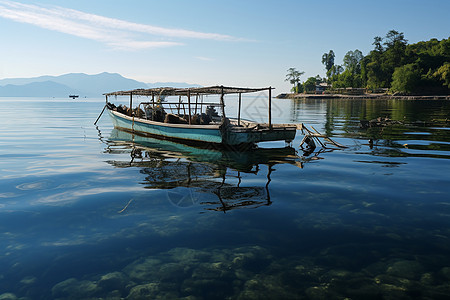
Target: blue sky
243,43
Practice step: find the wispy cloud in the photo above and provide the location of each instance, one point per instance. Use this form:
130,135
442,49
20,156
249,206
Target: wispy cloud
204,58
112,32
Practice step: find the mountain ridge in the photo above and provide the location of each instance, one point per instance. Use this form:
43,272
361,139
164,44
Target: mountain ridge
75,83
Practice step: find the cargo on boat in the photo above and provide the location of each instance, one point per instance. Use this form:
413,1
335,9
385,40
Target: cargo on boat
182,114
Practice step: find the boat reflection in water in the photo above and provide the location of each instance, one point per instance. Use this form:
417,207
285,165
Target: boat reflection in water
209,177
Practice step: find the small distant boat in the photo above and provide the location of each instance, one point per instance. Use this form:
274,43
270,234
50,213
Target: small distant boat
73,96
190,119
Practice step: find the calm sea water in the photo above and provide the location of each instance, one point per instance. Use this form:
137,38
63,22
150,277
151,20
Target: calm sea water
90,212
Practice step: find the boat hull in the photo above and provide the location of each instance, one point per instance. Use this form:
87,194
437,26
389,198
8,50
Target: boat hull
231,135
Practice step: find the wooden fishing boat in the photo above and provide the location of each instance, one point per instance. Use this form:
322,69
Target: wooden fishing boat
190,119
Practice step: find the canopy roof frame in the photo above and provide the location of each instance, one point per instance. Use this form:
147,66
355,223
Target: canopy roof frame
196,91
170,91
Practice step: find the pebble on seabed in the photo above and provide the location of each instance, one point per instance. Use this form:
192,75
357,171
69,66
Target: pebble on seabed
253,273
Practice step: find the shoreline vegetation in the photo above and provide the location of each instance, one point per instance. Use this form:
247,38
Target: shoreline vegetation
393,69
368,96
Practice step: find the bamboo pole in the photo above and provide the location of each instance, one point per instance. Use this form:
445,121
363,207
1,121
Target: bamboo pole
131,104
222,103
184,110
201,105
270,108
239,110
189,105
153,106
196,101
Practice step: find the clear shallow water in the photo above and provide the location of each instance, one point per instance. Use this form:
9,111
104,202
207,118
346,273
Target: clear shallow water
91,212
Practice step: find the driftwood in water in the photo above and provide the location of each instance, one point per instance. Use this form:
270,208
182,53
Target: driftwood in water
378,122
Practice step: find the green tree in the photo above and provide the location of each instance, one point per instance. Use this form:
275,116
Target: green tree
328,60
377,43
352,61
378,67
393,37
293,76
394,56
351,77
336,70
443,74
406,78
310,84
298,89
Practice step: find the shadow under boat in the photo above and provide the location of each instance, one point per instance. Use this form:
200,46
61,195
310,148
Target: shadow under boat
210,177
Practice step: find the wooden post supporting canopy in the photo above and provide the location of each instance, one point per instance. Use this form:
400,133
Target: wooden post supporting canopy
196,101
270,108
222,103
189,105
131,104
239,110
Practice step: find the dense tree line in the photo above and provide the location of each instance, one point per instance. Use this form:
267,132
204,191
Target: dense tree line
423,67
420,68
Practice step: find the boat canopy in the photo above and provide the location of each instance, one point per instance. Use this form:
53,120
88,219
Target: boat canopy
170,91
195,92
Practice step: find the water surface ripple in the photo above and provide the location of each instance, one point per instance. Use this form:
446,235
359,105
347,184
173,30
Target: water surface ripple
92,212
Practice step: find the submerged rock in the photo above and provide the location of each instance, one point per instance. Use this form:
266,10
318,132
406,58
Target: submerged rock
74,289
267,287
317,293
144,291
409,269
8,296
173,272
446,272
427,279
113,281
188,255
144,270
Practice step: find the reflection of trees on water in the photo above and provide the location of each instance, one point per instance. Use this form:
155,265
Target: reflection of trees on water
216,179
422,124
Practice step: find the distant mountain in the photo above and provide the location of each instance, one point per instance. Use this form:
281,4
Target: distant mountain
74,83
37,89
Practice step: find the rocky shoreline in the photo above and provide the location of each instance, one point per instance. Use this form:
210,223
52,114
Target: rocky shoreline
363,96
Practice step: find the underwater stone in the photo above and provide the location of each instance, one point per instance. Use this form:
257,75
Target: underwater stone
267,287
446,272
427,279
173,272
392,292
409,269
8,296
144,291
188,255
207,288
212,271
243,274
113,281
317,293
143,270
74,289
28,280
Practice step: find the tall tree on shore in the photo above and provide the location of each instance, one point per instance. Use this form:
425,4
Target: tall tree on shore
394,37
352,61
310,84
293,76
377,43
328,61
